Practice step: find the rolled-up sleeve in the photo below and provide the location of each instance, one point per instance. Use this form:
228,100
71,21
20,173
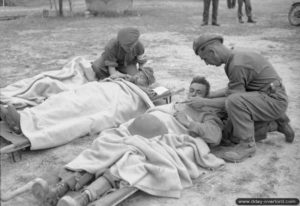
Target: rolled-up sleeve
238,79
110,56
140,50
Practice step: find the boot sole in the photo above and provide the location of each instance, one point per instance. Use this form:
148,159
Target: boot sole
6,116
290,136
40,189
238,160
67,201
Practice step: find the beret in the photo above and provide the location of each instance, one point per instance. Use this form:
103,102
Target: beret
128,36
204,40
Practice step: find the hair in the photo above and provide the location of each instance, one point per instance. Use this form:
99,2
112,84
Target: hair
201,80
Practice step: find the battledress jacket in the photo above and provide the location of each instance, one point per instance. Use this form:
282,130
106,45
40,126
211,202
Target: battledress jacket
115,56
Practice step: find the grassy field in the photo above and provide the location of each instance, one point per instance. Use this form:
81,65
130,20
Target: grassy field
34,44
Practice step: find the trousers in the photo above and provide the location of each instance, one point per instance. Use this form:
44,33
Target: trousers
248,8
246,108
215,5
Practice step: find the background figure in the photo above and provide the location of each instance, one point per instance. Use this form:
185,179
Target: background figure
215,5
248,10
231,4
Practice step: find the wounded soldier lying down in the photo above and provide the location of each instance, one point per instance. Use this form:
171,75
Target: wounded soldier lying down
88,109
153,153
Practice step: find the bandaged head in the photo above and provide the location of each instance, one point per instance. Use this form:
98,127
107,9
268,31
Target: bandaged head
127,37
149,73
147,125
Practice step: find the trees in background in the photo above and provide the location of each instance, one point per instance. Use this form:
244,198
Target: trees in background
109,6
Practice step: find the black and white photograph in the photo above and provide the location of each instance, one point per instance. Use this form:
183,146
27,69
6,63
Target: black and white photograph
149,102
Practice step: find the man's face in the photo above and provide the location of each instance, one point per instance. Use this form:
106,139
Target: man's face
130,47
210,57
196,90
141,79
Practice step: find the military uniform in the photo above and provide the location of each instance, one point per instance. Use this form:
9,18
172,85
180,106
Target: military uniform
115,56
215,5
248,9
256,96
122,53
255,93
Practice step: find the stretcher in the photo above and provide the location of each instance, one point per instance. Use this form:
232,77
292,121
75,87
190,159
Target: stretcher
116,197
165,94
16,142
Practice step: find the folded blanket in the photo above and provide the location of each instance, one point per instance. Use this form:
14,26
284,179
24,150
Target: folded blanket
91,108
32,91
160,166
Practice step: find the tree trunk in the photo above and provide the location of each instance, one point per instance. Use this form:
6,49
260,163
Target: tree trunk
109,6
60,6
6,3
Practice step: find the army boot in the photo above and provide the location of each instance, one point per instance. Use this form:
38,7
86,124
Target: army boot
82,199
243,150
250,20
241,20
12,117
284,127
92,192
47,195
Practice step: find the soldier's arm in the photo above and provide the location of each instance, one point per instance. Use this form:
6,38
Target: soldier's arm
218,93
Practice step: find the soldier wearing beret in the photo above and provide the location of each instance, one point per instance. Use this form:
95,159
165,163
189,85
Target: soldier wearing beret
121,55
215,5
255,94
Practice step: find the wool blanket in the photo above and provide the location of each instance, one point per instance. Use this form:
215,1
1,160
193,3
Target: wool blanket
160,166
89,109
33,91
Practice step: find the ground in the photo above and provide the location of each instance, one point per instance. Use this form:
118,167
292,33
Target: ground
34,44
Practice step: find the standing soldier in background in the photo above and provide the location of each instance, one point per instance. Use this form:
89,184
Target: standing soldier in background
248,10
215,5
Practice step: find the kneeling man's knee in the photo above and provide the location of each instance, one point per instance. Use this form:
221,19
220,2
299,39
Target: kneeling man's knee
233,101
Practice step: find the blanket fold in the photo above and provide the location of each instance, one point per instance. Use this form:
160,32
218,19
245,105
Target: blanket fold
89,109
160,166
33,91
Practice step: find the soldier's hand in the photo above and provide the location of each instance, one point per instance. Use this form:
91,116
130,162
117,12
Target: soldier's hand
196,102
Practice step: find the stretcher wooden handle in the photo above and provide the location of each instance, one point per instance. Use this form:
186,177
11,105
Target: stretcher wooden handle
114,198
14,147
168,93
177,91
